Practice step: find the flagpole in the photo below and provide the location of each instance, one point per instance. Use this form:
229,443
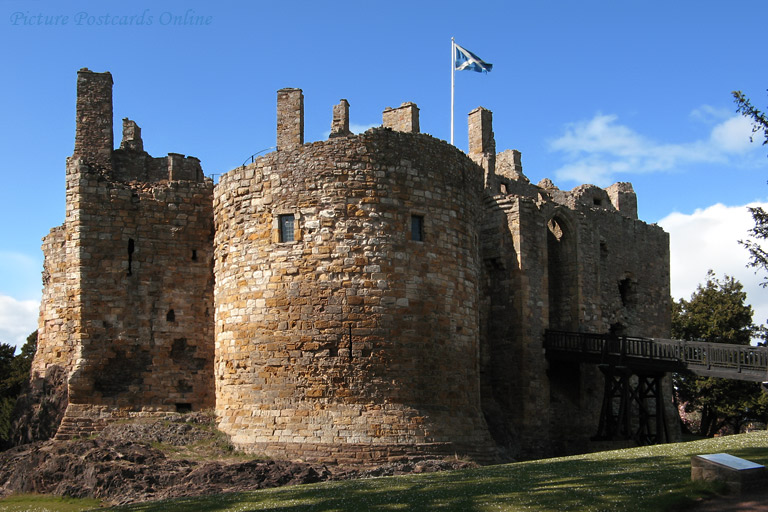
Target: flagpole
453,82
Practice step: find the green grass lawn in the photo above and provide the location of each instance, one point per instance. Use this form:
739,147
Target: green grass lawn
639,479
35,503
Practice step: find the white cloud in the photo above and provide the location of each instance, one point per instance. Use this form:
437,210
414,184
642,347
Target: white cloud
709,114
708,239
597,149
600,134
353,127
360,128
732,135
18,319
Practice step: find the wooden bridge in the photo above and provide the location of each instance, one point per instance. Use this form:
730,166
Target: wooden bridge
740,362
648,360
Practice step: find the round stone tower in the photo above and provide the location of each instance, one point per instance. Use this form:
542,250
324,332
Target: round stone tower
346,299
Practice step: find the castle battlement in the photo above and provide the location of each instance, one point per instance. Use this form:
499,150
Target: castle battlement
359,298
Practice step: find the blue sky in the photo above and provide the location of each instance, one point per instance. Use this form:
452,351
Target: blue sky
589,91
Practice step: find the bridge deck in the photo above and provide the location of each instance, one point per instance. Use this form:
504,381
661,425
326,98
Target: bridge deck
648,355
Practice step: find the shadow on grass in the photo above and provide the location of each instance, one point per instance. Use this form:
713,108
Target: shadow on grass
652,483
654,478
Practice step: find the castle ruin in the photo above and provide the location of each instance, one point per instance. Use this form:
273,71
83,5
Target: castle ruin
353,299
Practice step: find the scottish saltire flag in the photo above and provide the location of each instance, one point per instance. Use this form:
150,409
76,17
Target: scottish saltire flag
465,60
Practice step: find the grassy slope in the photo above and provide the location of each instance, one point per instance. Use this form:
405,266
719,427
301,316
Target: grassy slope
650,478
35,503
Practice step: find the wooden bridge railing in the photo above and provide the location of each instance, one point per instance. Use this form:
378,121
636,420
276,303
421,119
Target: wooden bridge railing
741,362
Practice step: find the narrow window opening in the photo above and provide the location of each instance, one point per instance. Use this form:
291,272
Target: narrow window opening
625,291
194,254
170,316
131,248
286,222
603,249
417,228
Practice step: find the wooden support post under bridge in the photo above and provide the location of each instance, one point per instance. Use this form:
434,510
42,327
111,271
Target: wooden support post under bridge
624,395
634,368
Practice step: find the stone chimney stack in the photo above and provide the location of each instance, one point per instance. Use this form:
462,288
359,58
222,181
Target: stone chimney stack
404,118
481,131
290,118
482,146
94,138
509,165
131,136
340,123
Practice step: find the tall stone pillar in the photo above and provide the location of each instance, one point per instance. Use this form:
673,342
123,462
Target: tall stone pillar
340,123
482,146
94,139
290,118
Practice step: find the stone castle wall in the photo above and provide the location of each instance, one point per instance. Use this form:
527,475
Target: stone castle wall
287,311
562,260
128,310
55,346
360,298
146,293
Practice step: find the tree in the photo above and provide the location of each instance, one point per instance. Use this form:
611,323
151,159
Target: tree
717,313
6,402
14,376
758,256
759,119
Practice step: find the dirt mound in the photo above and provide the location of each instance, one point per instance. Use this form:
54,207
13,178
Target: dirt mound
126,472
136,461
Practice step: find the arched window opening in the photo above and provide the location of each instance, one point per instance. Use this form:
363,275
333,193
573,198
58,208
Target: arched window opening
563,276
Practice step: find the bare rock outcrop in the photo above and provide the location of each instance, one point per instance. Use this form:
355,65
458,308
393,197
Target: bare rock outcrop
41,407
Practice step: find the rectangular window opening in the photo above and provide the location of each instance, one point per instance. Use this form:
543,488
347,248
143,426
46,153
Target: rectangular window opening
286,227
417,228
